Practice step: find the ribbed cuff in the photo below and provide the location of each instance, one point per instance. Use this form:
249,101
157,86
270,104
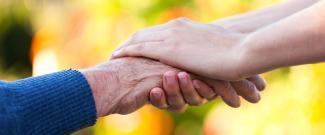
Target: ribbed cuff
53,104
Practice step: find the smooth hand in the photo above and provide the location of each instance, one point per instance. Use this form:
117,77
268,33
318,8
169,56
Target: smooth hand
204,49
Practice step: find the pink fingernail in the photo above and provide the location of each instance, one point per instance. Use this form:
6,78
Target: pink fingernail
170,78
183,78
157,94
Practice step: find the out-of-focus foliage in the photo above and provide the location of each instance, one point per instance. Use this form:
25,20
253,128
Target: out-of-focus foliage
292,104
15,40
82,33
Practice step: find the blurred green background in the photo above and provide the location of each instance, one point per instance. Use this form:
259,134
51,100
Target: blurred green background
43,36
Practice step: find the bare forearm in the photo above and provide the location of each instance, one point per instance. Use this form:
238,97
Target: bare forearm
298,39
252,21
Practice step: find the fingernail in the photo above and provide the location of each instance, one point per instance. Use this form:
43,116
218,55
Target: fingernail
183,78
157,94
170,78
196,85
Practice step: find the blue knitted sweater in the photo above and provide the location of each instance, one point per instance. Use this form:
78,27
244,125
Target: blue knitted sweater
53,104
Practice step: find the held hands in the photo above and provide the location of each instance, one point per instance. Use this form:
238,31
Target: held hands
188,45
179,90
204,49
122,86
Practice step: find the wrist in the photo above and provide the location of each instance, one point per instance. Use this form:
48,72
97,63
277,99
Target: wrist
233,61
240,56
254,57
102,82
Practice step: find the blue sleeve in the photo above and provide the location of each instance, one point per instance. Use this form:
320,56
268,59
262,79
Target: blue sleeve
53,104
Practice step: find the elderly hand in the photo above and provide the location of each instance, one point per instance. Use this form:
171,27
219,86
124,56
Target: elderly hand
122,85
179,90
204,49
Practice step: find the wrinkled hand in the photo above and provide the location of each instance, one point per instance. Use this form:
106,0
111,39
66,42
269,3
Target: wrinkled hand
122,85
179,90
204,49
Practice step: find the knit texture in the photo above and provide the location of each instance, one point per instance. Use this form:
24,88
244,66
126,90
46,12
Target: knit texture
53,104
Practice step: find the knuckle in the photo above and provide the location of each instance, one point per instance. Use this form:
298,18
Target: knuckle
227,85
178,22
139,47
250,86
183,19
135,34
133,37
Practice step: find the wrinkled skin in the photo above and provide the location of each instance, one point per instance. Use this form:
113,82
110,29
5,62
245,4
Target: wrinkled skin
129,79
122,85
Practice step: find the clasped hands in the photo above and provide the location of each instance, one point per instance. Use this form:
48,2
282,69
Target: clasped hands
171,65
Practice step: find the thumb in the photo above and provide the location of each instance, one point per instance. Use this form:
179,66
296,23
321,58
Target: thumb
153,50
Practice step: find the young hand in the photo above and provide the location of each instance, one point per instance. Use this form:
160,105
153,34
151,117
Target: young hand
204,49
